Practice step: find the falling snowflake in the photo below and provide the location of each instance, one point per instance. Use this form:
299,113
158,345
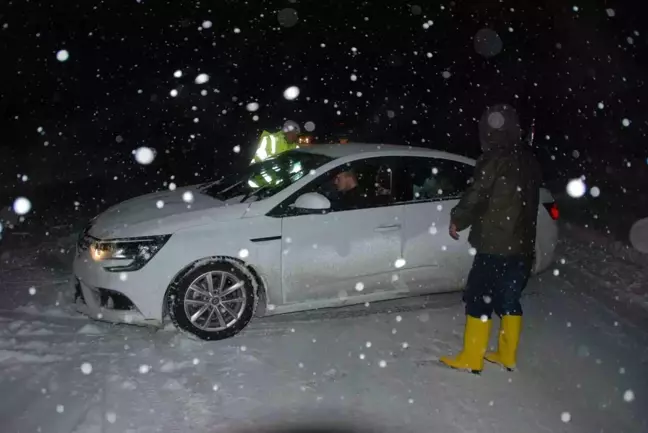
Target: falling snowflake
484,318
111,417
399,318
244,253
159,204
32,291
595,191
383,364
252,106
433,230
565,417
188,197
202,78
172,186
177,73
86,368
123,276
359,286
287,17
206,24
60,408
215,387
556,272
309,126
173,93
361,356
472,251
575,8
22,205
354,77
601,105
144,368
576,188
628,396
610,12
144,155
291,93
237,30
237,149
368,344
399,263
446,74
62,55
405,345
626,122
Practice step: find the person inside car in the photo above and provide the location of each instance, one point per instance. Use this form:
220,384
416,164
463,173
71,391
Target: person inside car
350,194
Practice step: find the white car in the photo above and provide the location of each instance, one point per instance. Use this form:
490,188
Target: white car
207,255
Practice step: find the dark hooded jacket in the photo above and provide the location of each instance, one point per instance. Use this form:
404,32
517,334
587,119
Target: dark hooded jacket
501,205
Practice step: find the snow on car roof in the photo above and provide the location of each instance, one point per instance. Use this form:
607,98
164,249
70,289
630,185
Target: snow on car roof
338,150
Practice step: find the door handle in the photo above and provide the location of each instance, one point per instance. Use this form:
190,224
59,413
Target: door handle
388,228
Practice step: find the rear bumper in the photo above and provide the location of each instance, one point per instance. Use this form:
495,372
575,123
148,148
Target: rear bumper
108,306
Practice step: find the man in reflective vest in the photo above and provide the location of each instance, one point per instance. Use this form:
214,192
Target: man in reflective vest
273,144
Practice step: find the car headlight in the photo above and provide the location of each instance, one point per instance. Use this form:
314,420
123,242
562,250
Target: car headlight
124,255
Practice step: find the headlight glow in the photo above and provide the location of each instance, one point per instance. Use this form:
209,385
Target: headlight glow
134,253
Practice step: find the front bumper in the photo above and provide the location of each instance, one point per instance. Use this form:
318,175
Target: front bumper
108,305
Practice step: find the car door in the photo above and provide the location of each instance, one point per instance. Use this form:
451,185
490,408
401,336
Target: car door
345,252
434,261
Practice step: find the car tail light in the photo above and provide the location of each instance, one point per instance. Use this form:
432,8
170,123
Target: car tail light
552,208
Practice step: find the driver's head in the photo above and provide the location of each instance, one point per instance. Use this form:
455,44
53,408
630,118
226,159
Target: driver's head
346,180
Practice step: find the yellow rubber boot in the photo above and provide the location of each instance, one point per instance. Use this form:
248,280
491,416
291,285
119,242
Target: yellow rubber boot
507,342
471,357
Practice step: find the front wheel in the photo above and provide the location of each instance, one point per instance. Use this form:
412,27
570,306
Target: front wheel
213,300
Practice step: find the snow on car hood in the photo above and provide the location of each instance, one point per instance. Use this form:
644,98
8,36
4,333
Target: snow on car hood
143,216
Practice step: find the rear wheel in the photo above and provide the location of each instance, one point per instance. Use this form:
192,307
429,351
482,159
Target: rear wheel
213,300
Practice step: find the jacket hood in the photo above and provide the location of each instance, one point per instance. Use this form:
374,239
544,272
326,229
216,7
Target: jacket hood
499,128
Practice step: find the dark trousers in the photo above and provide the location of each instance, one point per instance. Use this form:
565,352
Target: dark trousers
495,283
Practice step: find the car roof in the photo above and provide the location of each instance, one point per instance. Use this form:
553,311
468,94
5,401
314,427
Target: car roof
338,150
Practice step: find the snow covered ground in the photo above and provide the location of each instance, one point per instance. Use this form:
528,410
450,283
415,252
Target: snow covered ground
582,360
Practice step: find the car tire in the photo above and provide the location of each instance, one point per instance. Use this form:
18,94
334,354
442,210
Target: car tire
212,313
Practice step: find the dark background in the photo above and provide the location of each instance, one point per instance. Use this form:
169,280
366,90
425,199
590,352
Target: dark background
112,95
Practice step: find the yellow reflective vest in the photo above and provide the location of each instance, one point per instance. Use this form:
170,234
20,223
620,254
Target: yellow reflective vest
271,145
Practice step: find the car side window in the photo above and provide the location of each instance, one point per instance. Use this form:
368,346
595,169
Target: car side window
433,179
360,184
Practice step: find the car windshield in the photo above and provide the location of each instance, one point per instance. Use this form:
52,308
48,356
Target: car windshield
265,179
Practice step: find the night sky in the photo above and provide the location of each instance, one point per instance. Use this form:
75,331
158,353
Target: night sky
395,72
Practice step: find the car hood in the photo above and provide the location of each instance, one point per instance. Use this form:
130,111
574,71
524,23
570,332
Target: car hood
142,216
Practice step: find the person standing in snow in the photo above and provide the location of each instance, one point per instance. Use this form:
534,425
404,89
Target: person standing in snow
272,144
501,207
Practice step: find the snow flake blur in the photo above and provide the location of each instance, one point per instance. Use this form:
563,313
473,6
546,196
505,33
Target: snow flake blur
487,43
144,155
86,368
291,93
252,106
62,55
287,17
576,188
628,396
399,263
22,206
188,197
202,79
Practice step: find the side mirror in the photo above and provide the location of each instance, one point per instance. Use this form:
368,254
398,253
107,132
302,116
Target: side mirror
312,201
